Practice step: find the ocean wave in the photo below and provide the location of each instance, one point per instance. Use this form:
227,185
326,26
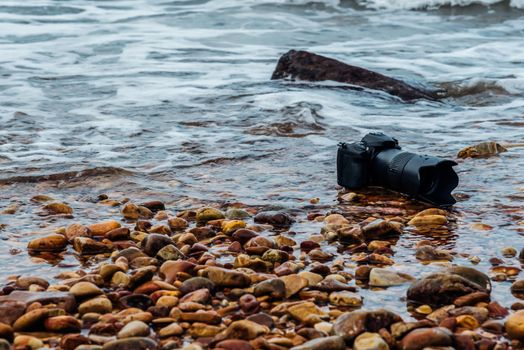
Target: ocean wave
432,4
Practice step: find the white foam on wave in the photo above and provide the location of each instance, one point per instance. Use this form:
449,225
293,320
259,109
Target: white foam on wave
425,4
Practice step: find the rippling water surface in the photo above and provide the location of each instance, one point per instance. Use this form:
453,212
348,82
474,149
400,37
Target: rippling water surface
172,100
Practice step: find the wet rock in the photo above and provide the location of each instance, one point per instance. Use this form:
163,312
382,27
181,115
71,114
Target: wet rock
177,224
261,318
333,285
208,317
380,228
76,230
88,246
243,235
85,289
173,329
138,343
236,213
27,342
441,289
428,221
421,338
307,313
153,242
226,278
517,289
139,301
308,66
248,304
243,329
134,329
132,211
100,305
195,283
380,277
294,284
24,282
325,343
351,324
370,341
231,226
169,252
275,288
201,296
16,302
496,310
6,332
473,275
62,324
102,228
350,235
51,243
204,215
275,219
471,299
345,298
483,149
170,269
57,209
234,344
154,206
429,253
31,319
312,278
515,325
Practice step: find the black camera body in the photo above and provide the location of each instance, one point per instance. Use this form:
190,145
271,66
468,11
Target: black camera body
377,160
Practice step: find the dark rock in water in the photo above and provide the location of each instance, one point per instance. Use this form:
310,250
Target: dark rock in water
441,289
154,206
140,301
13,305
196,283
326,343
154,242
351,324
275,288
312,67
277,219
473,275
136,343
427,337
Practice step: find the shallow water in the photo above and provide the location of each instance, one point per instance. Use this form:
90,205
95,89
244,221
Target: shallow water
172,100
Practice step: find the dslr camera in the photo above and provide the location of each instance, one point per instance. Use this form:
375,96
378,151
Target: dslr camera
377,160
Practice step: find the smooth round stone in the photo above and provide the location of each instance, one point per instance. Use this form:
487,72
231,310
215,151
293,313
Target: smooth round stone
380,277
30,319
172,330
6,332
515,325
25,282
27,341
120,279
167,301
51,243
208,214
97,305
85,289
234,344
101,228
421,338
134,329
370,341
345,298
135,343
62,324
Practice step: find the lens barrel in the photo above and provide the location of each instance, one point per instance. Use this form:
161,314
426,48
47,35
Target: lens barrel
429,178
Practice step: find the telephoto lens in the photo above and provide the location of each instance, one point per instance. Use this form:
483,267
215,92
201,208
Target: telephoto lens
383,163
